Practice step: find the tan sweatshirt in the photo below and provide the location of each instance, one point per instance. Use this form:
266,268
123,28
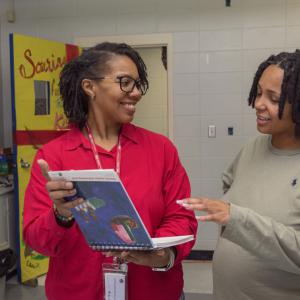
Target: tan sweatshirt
258,254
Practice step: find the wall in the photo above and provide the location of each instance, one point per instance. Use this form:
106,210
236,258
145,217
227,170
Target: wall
216,51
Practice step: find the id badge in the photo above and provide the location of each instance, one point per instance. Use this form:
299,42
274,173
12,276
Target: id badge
115,281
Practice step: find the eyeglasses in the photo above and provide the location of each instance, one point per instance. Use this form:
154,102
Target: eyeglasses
127,83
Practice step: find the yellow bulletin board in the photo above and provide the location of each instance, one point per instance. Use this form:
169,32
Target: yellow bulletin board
37,118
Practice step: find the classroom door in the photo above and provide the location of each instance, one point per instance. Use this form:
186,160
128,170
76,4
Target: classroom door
152,110
37,118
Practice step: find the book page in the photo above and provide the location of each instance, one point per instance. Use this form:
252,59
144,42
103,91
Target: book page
164,242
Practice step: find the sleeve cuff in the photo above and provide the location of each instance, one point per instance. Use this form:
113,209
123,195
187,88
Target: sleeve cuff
60,231
238,217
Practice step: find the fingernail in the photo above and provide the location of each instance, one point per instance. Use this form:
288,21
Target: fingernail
180,202
68,185
72,192
160,252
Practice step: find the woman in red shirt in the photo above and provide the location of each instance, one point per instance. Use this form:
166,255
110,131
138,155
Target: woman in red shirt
100,90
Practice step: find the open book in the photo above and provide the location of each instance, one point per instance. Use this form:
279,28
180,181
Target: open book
108,218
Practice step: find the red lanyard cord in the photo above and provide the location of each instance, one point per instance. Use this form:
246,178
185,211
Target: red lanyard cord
96,155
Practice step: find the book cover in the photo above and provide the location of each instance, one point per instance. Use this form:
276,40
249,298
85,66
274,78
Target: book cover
107,217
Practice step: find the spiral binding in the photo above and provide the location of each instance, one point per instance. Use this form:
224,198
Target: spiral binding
119,247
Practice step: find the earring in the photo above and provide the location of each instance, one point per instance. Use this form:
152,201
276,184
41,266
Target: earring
93,97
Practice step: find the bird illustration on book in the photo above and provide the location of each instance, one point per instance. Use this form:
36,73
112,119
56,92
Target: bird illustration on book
122,226
87,208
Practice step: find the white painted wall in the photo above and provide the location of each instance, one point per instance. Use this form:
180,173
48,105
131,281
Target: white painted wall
216,49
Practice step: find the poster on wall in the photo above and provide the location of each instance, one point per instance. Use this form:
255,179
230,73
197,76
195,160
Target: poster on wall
37,118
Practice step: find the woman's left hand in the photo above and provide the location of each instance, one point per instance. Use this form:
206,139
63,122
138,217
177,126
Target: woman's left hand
217,211
154,258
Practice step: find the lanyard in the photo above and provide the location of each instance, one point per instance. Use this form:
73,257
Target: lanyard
96,155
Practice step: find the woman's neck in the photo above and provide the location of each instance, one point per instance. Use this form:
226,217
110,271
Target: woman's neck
286,142
104,135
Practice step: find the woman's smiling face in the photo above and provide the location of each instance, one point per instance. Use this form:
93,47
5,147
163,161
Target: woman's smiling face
267,106
110,102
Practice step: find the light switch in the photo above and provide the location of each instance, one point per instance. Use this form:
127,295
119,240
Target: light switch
230,130
212,131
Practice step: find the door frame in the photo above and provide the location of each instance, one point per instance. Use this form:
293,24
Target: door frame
142,41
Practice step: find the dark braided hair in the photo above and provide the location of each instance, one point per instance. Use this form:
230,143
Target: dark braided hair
289,62
92,63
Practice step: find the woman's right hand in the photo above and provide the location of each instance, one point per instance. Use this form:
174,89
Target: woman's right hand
217,211
58,189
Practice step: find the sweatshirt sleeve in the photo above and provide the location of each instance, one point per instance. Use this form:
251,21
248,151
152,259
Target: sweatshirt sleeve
229,174
40,230
177,220
274,243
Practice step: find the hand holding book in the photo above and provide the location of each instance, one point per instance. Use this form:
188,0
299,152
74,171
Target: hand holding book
152,258
58,190
107,216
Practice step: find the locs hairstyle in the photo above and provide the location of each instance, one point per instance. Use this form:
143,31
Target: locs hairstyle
93,62
289,62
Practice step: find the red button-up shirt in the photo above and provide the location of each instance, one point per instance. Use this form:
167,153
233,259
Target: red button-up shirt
154,179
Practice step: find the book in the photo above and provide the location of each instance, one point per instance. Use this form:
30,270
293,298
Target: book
107,217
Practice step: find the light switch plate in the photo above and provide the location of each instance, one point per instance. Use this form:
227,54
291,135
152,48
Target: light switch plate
212,131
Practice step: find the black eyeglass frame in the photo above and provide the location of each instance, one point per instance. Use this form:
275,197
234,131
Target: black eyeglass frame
137,83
